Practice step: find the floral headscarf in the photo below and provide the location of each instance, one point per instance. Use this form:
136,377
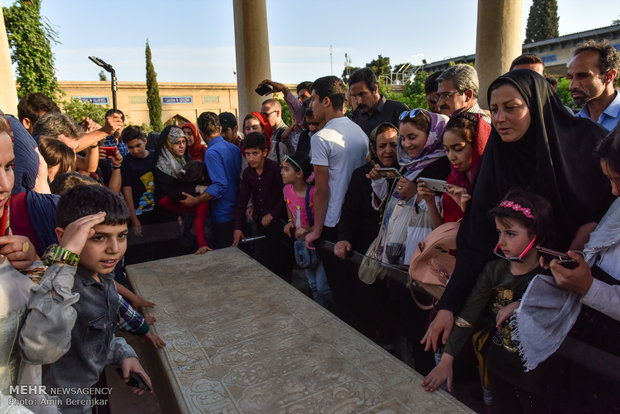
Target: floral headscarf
433,149
168,162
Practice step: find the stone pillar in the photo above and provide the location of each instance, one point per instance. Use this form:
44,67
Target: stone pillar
252,50
8,93
498,40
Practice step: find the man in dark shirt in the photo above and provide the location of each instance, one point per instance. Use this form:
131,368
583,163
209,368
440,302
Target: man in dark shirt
372,108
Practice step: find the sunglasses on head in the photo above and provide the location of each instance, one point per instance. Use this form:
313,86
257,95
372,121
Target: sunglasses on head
409,114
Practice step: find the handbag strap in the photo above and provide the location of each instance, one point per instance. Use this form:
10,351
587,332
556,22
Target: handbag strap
385,202
308,209
417,301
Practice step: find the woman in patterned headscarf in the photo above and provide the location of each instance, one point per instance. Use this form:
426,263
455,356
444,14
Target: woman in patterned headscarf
170,157
420,154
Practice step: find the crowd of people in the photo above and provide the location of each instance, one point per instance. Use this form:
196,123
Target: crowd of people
355,173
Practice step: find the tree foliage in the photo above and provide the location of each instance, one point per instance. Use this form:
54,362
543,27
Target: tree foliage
413,95
153,100
380,65
30,39
542,22
347,71
79,110
564,93
287,117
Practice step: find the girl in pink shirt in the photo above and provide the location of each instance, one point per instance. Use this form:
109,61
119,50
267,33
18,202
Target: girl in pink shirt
296,170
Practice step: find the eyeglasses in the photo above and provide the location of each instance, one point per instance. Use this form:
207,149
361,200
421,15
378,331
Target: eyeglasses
180,142
266,114
287,158
410,114
445,95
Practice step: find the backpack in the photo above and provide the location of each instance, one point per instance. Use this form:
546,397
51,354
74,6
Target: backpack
434,259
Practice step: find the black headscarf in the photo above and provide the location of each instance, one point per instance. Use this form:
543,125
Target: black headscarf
372,143
555,158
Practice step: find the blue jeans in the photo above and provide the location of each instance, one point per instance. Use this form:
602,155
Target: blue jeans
317,280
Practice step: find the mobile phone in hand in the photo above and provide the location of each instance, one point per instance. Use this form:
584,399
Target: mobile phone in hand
135,380
564,259
439,186
263,89
109,151
389,173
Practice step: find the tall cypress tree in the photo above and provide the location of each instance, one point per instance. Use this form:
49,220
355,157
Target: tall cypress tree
542,22
30,38
153,101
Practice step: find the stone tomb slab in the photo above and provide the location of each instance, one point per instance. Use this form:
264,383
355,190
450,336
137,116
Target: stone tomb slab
241,340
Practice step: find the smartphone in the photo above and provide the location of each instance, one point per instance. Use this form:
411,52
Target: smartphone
135,380
389,173
439,186
263,89
564,259
109,151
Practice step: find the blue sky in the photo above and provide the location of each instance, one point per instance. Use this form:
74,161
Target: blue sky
193,40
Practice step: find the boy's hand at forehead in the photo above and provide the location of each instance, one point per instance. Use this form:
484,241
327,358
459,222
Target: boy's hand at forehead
74,236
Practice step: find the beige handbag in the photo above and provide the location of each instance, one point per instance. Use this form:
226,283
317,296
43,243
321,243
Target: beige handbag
371,267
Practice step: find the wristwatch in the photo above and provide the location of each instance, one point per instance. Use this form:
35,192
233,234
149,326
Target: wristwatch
57,254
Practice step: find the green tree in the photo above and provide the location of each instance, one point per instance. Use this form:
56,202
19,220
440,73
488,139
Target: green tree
347,71
380,65
79,110
30,38
153,101
413,95
103,76
564,93
542,22
398,67
287,117
414,91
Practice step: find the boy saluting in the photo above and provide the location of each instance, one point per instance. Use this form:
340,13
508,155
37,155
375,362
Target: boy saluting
96,252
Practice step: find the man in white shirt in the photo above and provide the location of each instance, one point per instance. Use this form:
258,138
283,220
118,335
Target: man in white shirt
337,150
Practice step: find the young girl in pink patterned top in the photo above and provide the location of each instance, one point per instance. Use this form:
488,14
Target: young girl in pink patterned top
296,170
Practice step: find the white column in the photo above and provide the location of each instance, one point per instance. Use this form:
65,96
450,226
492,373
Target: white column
498,40
252,50
8,93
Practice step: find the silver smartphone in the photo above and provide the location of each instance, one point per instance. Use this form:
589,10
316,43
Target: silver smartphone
439,186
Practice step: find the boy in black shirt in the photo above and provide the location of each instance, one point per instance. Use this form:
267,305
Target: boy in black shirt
138,182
